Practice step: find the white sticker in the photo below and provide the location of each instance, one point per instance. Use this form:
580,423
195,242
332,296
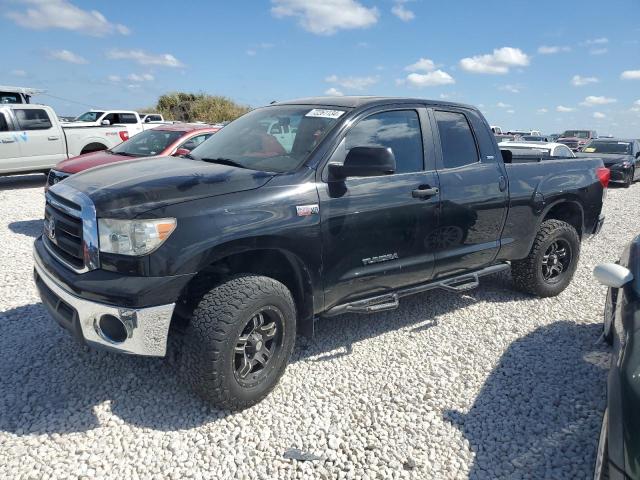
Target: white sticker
322,113
622,143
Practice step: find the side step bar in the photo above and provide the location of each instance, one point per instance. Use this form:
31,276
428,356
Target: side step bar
391,301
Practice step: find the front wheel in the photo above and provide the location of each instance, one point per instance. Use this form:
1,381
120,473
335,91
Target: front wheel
238,341
629,181
552,261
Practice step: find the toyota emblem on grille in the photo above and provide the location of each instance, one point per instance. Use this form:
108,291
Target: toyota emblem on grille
55,180
50,228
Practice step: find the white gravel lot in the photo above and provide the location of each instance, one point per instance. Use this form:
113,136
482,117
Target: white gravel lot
490,384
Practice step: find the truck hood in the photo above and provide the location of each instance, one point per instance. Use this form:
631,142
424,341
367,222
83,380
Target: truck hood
609,159
90,160
127,189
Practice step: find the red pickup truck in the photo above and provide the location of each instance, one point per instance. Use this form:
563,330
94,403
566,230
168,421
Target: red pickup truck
167,140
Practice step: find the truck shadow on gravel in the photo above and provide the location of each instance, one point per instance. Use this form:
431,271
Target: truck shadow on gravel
17,182
538,414
51,384
28,228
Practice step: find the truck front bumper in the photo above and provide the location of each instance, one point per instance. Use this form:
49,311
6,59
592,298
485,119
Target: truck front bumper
140,331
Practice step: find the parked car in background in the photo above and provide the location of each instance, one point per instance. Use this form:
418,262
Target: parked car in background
130,119
505,138
542,150
621,156
618,454
248,241
165,140
10,94
576,139
151,117
33,140
534,138
496,130
553,137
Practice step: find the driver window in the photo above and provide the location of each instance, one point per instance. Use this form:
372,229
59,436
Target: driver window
398,130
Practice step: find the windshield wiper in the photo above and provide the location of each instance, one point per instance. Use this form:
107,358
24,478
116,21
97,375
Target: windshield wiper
124,154
224,161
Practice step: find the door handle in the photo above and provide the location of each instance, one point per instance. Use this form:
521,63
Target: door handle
53,138
502,183
425,192
8,140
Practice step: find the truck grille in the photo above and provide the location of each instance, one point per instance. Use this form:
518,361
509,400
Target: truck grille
70,231
572,144
55,177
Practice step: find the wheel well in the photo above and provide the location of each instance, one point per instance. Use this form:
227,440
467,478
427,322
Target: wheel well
567,212
280,266
93,147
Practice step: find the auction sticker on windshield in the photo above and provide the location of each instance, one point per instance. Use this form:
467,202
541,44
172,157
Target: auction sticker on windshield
322,113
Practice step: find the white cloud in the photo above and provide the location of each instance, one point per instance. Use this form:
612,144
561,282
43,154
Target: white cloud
45,14
599,115
114,78
578,81
592,100
431,79
630,75
502,105
67,56
563,109
251,52
18,73
496,63
422,65
542,110
402,12
511,111
510,88
334,92
597,41
144,58
352,83
328,16
550,50
145,77
598,51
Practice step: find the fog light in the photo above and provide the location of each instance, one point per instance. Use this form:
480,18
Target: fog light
112,329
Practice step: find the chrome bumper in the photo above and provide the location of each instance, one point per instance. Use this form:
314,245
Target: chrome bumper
147,329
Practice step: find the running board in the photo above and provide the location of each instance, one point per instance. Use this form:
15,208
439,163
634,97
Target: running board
390,301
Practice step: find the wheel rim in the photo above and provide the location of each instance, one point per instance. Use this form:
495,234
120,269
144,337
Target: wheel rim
258,345
556,261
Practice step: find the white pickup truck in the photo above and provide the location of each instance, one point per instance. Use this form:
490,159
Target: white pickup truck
127,118
33,140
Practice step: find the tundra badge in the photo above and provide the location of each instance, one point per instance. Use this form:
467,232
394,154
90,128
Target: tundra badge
306,210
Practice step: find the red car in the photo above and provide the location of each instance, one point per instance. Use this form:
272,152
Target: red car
166,140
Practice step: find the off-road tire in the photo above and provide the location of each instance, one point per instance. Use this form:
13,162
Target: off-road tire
207,351
629,181
527,273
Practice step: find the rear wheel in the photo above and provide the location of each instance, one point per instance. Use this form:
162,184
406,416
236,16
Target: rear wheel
552,261
239,340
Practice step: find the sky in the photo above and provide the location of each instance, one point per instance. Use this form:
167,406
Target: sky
544,65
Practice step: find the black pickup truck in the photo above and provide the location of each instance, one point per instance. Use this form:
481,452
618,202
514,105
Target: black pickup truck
296,211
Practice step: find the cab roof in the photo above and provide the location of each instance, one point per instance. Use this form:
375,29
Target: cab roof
355,101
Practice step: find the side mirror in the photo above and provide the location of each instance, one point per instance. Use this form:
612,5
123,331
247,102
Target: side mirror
147,120
507,156
364,162
612,275
106,123
181,152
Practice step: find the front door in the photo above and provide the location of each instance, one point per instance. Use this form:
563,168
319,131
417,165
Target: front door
474,192
9,144
376,230
42,145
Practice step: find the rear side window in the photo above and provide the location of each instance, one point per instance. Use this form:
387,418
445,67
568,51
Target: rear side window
456,140
32,119
398,130
127,118
4,126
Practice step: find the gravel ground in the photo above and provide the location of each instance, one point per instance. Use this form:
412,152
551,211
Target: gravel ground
490,384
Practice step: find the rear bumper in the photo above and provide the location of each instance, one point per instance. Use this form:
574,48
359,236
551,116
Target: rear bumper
147,329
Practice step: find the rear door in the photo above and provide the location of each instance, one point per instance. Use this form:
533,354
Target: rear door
9,146
41,141
376,232
474,191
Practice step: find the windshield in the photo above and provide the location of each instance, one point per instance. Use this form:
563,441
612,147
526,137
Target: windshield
89,117
147,143
608,147
273,139
576,133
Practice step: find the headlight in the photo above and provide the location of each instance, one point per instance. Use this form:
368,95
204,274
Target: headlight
133,237
626,164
